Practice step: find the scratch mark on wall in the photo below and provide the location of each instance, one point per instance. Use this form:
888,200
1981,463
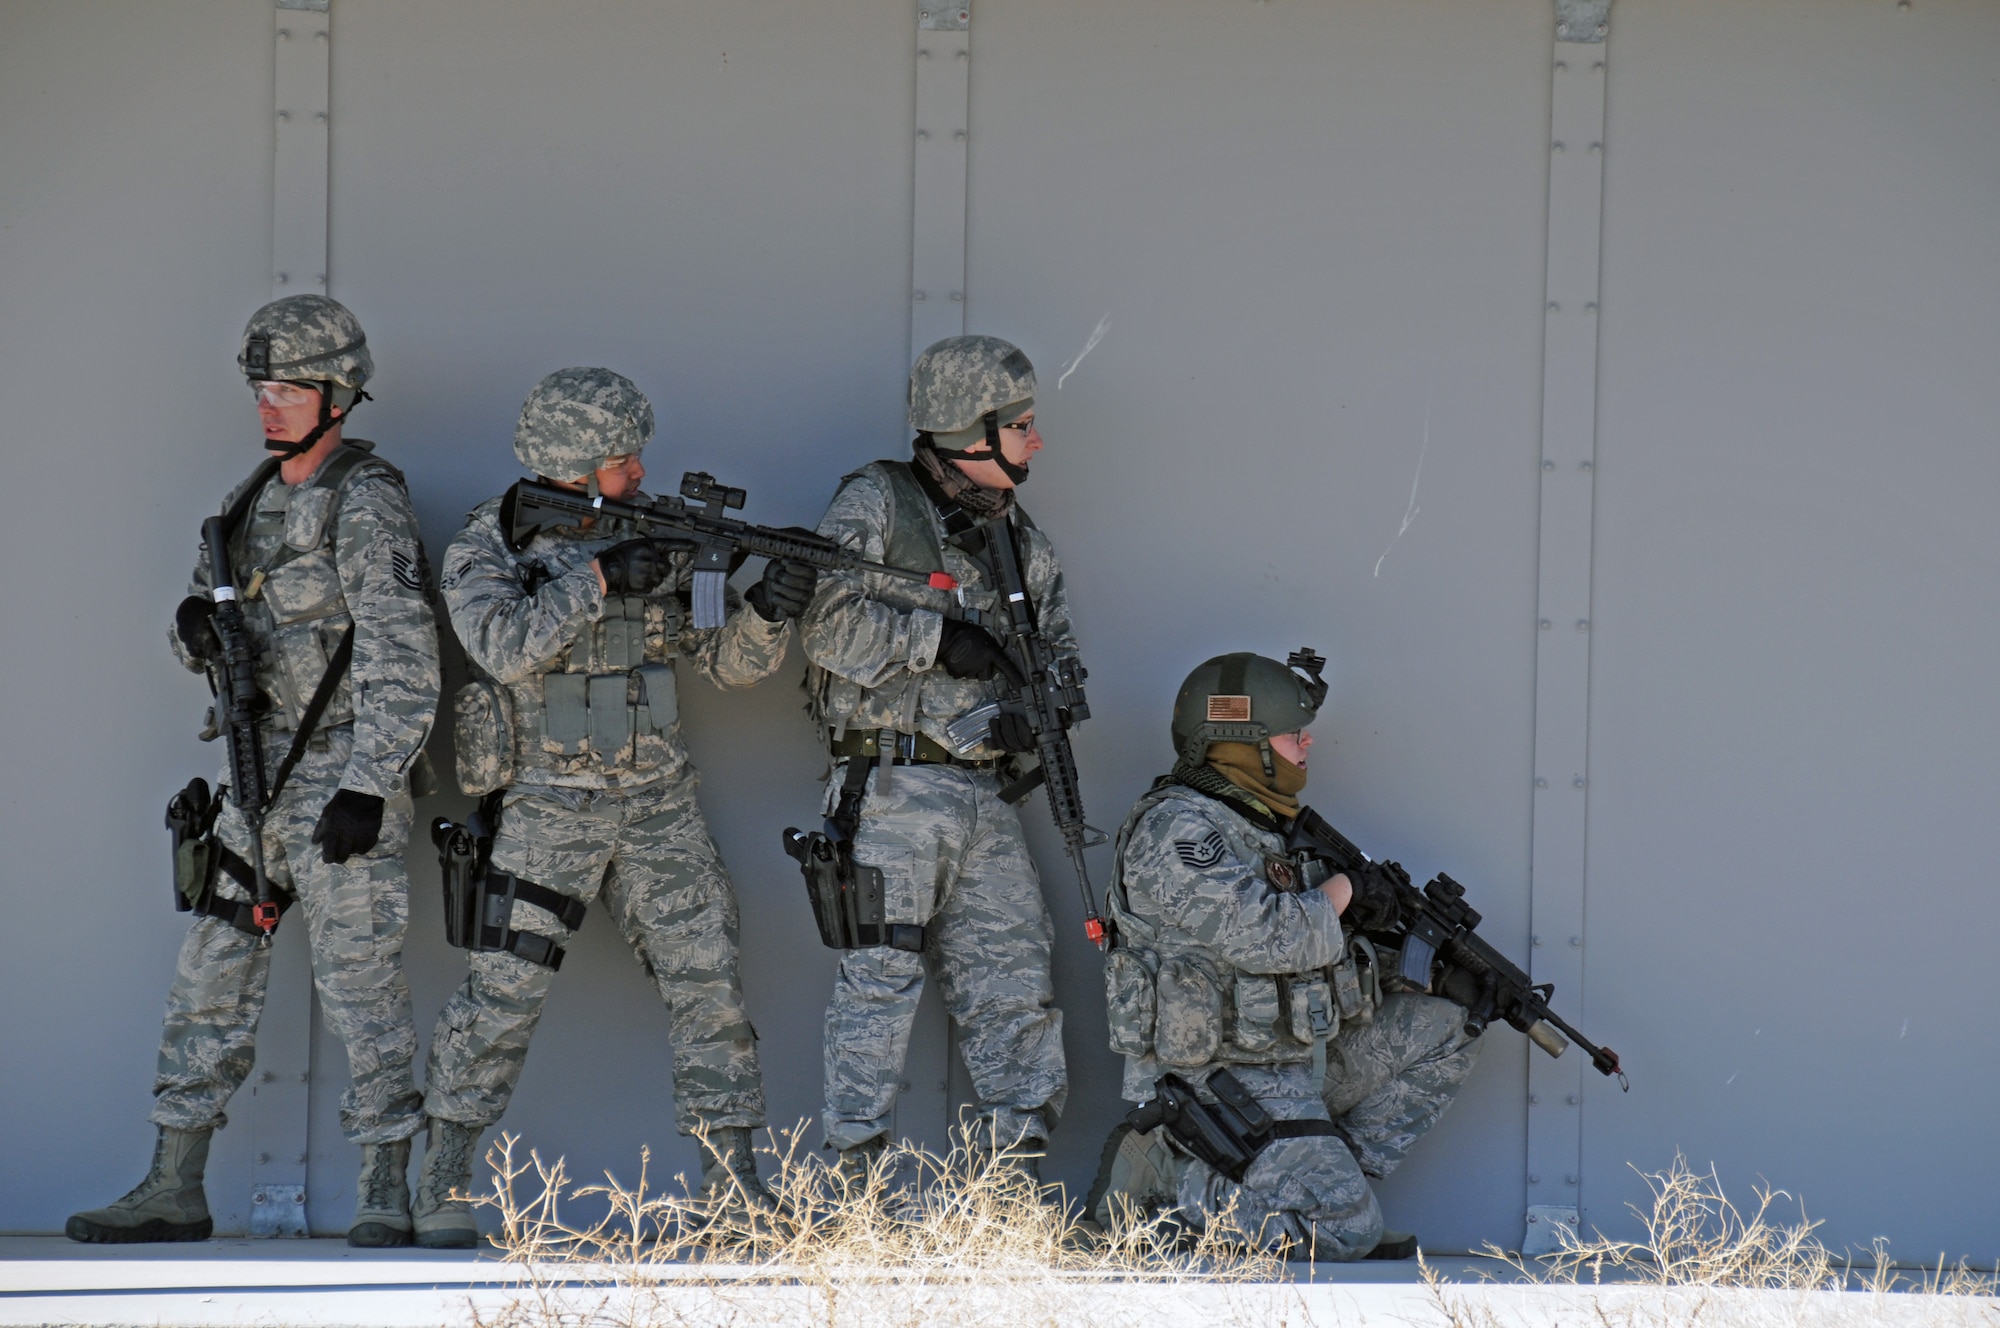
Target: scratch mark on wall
1410,513
1096,335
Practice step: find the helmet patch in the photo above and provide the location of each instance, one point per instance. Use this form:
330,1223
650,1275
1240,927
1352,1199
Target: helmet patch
1228,709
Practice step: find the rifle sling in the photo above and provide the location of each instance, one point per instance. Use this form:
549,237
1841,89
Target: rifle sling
322,696
233,517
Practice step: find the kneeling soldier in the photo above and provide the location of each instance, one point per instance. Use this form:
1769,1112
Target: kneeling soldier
571,730
1313,1081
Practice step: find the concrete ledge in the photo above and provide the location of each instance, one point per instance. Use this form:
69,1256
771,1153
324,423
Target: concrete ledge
324,1284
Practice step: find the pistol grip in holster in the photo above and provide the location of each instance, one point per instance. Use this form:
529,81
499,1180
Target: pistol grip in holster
191,817
201,859
846,896
1229,1133
479,900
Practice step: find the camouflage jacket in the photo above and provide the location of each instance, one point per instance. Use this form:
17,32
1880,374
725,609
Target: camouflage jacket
311,560
583,684
872,640
1221,956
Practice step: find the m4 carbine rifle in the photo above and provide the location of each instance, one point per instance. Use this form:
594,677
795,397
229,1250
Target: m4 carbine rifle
717,537
1435,925
1049,692
238,702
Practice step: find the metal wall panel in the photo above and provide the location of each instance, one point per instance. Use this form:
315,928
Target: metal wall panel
1793,718
1310,227
135,222
1305,244
713,199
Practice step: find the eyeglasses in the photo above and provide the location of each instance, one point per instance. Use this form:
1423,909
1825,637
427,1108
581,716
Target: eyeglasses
1026,424
282,394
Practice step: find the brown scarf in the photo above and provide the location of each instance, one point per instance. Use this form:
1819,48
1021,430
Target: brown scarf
1242,765
959,488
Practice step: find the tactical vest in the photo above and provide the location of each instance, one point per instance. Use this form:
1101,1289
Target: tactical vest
914,540
605,707
1170,996
284,560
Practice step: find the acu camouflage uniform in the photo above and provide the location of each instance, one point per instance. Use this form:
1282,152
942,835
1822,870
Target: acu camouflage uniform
600,797
1222,960
952,854
340,548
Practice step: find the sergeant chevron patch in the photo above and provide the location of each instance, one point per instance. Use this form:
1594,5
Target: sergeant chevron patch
404,568
1203,853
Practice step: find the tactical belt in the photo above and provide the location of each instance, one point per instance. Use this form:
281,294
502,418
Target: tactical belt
1303,1129
910,749
210,903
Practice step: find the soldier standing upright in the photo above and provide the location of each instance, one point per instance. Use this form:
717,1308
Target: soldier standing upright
1215,915
892,668
330,571
570,729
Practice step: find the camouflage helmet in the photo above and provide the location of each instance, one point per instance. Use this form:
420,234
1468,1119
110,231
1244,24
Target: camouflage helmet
307,339
1246,698
577,418
957,381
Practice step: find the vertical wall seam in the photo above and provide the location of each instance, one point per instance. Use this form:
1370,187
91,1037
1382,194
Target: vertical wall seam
1563,601
937,204
940,145
281,1081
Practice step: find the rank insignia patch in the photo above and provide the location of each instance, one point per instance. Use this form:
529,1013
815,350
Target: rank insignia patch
1203,853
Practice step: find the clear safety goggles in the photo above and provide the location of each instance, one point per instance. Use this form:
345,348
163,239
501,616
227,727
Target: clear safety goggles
282,394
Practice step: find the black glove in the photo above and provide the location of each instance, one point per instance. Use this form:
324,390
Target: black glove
1374,907
1010,732
350,823
971,652
194,624
635,567
785,590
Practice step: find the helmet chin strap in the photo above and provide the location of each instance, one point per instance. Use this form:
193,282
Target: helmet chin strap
1018,474
327,419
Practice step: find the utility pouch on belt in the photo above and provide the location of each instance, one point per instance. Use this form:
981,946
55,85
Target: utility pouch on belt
847,896
479,901
1227,1134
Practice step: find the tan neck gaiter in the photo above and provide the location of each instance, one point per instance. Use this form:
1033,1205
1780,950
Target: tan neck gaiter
1242,765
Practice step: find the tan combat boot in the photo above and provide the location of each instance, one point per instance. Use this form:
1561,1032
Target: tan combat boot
1137,1177
168,1205
1394,1245
856,1162
740,1207
382,1197
442,1221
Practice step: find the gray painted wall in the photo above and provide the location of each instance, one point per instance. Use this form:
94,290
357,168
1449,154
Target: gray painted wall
1313,229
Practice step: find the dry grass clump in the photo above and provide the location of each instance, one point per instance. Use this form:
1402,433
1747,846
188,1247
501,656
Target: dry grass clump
967,1240
1703,1260
962,1238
